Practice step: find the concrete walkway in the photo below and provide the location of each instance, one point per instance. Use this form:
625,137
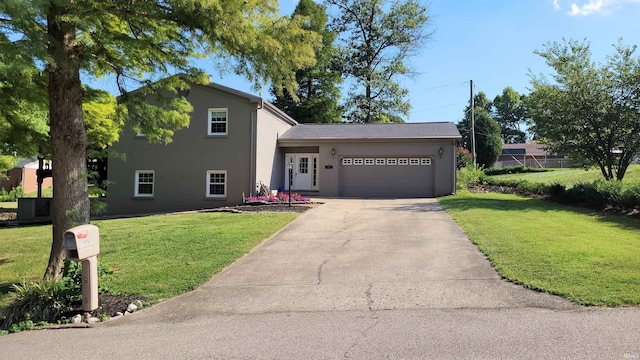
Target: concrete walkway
355,279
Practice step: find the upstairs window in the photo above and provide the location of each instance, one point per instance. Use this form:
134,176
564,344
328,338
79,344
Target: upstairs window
144,183
218,121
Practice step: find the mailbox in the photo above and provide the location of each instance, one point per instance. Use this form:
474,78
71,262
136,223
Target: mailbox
82,242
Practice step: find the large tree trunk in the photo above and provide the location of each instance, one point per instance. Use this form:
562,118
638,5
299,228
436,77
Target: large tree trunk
70,206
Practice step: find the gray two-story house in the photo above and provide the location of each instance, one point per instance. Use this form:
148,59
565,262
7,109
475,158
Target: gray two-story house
237,140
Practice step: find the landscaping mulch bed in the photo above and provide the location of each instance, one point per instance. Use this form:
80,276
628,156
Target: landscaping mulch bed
109,305
8,214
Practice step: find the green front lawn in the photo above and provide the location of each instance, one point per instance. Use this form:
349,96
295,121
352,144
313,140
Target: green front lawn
155,256
570,176
589,258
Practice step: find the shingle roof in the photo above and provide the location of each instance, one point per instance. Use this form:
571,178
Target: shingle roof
530,148
432,130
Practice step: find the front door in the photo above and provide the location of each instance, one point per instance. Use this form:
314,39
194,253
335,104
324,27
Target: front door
304,171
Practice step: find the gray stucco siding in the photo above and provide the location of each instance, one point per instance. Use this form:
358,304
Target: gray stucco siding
440,175
180,167
269,158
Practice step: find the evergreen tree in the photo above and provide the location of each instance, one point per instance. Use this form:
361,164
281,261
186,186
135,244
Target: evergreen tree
375,43
318,92
487,132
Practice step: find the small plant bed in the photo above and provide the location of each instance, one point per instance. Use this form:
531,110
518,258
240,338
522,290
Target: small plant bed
8,213
279,198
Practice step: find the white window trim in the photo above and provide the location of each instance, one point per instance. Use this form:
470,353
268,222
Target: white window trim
358,161
381,161
208,182
347,161
137,183
369,161
425,161
226,122
392,161
403,161
414,161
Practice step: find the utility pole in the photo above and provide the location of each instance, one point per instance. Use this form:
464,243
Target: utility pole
473,126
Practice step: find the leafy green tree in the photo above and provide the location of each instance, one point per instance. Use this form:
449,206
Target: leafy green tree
317,85
53,42
590,112
487,132
375,43
510,112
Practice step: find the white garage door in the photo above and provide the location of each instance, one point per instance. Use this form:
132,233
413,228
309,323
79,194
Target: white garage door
386,176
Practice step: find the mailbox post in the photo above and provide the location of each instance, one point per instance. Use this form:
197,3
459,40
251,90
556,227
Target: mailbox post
83,244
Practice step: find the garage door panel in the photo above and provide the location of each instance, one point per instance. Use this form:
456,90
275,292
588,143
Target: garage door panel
386,180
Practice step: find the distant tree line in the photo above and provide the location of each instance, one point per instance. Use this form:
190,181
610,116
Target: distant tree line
585,110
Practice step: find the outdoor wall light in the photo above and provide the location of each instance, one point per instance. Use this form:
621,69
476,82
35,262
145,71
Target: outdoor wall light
333,151
441,151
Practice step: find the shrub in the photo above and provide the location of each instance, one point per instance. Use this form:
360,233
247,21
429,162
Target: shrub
12,195
630,195
463,158
469,177
46,301
36,301
557,190
512,170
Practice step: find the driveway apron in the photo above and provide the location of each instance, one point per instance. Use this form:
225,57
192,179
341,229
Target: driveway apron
360,254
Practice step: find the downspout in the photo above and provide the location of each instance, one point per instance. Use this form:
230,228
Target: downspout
254,125
454,168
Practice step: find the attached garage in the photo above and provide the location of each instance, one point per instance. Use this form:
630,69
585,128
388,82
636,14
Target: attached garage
372,160
386,176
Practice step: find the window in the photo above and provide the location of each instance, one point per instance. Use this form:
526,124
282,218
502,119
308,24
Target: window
303,165
144,183
218,122
358,161
381,161
403,161
414,161
425,161
346,161
392,161
315,171
369,161
216,183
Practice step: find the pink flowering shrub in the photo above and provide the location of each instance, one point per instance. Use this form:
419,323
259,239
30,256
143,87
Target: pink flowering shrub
281,197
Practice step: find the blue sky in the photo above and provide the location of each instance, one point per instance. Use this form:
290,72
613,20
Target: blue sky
491,42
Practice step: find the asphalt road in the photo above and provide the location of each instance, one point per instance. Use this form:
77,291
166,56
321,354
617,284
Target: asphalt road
354,279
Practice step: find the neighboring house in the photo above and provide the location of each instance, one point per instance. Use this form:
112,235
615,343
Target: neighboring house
530,154
236,141
24,174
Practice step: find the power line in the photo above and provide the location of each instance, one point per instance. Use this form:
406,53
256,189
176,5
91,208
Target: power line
443,86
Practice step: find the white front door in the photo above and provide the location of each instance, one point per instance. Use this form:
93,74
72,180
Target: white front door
304,171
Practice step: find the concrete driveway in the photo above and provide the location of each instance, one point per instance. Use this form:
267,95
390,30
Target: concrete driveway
360,279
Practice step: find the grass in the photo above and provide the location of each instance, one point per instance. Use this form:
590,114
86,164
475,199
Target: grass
588,258
571,176
157,257
9,205
46,193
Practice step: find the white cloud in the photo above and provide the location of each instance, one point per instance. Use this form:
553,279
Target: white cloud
591,7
